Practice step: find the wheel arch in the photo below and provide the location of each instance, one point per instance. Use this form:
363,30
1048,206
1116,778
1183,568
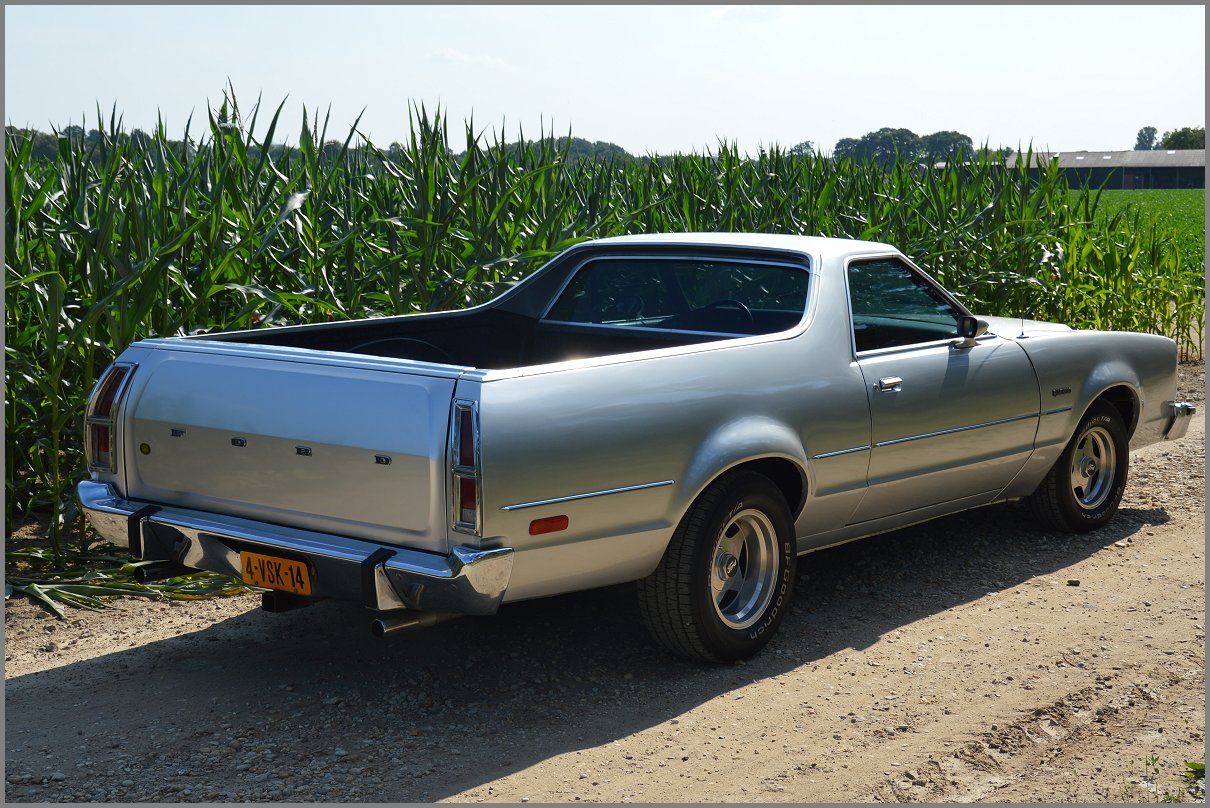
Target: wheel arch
783,473
762,445
1125,400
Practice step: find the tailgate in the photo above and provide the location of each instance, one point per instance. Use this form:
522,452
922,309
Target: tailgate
349,450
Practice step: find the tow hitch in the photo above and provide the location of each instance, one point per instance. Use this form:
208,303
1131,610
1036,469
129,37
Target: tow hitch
277,602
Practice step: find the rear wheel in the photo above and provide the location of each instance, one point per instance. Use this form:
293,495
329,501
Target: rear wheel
727,578
1083,489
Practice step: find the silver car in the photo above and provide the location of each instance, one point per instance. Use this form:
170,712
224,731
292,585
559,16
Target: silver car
690,412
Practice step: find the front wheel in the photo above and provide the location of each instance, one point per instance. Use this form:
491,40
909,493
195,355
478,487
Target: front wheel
1083,489
727,578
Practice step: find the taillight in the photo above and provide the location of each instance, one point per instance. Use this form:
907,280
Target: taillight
466,487
100,424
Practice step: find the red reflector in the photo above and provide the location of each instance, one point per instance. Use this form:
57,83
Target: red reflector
466,500
551,524
466,438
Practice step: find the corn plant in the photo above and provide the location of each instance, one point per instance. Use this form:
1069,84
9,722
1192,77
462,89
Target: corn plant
118,238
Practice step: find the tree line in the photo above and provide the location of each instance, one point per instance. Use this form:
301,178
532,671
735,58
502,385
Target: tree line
1187,137
46,145
880,146
883,145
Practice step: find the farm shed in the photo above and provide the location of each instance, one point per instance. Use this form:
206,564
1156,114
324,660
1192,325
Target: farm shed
1171,168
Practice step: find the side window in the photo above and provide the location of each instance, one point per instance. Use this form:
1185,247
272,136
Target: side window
616,292
893,306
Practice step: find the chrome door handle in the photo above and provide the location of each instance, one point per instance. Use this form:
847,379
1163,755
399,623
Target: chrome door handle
891,384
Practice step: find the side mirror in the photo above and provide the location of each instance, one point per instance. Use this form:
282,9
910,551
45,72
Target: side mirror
969,329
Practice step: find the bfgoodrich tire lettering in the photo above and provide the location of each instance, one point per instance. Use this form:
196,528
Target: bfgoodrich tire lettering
726,580
1083,489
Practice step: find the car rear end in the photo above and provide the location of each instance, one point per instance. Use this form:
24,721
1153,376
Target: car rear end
309,473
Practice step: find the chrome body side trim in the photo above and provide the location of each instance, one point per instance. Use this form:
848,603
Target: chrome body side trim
1056,412
382,577
1180,413
956,429
589,495
823,455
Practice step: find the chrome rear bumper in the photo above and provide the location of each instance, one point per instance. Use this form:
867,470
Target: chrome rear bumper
1180,413
382,577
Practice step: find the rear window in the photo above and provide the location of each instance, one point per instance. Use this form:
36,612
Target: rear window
710,295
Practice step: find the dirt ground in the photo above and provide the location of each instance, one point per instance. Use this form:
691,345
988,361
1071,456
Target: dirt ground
973,658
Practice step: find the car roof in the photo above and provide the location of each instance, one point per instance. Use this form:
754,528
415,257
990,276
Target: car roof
818,246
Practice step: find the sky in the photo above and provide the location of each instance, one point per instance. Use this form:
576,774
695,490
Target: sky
652,79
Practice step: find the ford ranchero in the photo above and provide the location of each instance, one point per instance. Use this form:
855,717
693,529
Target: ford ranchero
691,412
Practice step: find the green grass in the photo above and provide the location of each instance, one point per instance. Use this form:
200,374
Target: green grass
1183,211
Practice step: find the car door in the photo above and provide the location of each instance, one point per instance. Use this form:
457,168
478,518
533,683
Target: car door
950,419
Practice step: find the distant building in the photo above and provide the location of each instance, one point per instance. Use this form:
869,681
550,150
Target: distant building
1172,168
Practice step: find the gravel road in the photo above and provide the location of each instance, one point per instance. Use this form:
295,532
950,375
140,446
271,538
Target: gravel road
973,658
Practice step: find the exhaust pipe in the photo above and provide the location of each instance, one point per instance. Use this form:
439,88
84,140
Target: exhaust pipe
402,621
160,570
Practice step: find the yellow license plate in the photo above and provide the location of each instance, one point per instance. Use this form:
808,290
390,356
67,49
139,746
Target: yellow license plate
271,572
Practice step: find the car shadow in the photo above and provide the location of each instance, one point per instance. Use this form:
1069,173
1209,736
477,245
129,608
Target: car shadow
247,704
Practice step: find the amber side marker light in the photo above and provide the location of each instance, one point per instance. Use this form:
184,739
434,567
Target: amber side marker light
551,524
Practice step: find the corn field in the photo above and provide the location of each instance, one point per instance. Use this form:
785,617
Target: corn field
126,238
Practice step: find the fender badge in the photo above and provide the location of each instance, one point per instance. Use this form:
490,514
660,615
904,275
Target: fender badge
1060,391
302,451
382,460
239,442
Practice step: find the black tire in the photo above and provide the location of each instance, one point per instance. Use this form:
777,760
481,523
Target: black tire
1083,489
727,578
